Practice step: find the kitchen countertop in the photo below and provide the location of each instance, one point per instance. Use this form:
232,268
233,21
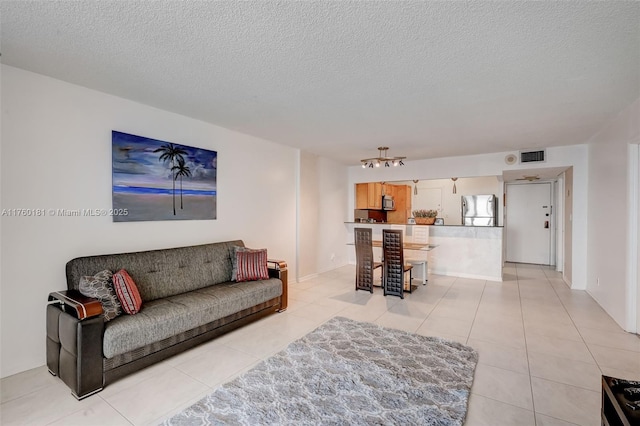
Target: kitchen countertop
462,251
415,224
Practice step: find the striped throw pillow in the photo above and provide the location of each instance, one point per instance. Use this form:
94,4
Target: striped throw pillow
127,292
234,261
252,265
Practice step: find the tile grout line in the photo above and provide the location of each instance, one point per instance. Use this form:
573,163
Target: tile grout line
116,410
31,392
526,346
176,410
577,328
437,303
549,380
467,341
473,322
508,403
484,286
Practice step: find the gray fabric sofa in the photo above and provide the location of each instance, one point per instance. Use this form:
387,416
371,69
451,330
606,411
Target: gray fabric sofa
187,298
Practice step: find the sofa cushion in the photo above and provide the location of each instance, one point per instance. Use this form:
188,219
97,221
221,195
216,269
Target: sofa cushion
251,265
99,286
164,318
127,292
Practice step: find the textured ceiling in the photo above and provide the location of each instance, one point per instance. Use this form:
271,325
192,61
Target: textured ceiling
340,78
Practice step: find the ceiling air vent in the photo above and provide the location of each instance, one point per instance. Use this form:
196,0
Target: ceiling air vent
532,156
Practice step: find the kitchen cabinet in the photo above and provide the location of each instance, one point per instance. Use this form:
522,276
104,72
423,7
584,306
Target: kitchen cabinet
369,195
402,197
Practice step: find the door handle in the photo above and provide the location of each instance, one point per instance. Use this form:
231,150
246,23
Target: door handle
546,224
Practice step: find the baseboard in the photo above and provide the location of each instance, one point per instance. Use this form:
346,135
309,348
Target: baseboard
316,275
307,277
461,275
333,268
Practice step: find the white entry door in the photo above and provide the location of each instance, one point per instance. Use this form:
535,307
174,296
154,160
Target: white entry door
528,223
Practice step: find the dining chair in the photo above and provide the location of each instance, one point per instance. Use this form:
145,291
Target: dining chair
393,266
365,264
420,234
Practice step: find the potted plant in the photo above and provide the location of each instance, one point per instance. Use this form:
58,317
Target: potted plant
425,217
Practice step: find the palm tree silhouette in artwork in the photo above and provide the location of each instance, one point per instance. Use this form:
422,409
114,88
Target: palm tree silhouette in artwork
181,170
171,154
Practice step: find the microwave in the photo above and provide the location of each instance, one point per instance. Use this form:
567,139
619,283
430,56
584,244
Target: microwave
388,203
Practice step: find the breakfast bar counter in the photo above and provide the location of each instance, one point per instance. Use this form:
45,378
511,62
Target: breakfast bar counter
463,251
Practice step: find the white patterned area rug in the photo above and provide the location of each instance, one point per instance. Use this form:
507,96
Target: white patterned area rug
347,372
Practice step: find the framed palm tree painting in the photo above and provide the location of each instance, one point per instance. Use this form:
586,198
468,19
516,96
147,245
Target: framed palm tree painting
158,180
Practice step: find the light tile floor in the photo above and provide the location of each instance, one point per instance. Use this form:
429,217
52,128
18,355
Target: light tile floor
543,348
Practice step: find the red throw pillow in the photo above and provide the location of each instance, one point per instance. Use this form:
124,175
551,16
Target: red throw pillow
127,292
252,265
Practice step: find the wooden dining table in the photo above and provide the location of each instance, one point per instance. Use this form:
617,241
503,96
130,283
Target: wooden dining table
408,245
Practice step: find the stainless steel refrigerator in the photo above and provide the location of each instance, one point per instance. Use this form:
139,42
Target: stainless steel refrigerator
479,210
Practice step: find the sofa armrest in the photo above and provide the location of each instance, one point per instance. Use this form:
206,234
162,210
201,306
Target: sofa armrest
74,348
278,269
76,304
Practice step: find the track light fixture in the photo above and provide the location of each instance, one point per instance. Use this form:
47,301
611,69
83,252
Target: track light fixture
382,158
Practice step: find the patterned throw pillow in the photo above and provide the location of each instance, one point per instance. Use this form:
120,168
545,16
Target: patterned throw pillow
100,287
234,261
252,265
127,292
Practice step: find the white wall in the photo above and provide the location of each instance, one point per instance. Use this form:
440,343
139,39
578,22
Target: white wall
608,277
567,269
334,211
308,216
494,165
323,210
56,153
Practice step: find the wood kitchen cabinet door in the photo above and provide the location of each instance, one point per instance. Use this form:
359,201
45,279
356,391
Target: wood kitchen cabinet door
408,192
388,189
362,196
402,198
369,196
375,196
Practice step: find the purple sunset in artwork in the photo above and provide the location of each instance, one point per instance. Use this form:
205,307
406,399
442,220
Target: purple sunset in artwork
158,180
